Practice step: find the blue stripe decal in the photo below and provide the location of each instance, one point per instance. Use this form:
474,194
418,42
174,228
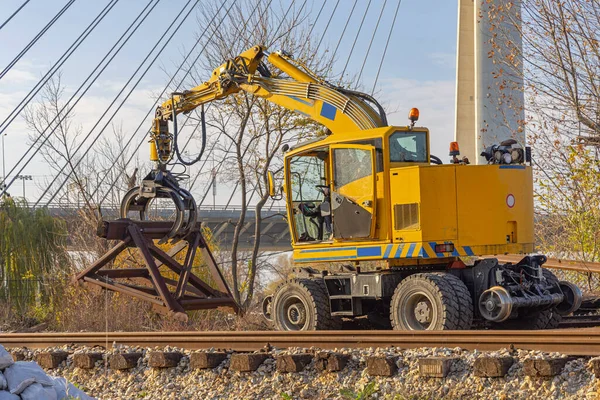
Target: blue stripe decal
327,250
432,244
410,250
424,253
388,249
468,251
399,251
455,253
512,167
303,101
328,111
325,258
369,252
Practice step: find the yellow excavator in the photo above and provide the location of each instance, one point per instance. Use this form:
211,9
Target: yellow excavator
367,191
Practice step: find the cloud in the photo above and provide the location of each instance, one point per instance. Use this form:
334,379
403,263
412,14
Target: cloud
18,76
446,60
434,99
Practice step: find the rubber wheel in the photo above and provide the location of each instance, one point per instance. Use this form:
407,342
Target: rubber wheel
464,299
303,305
535,320
425,302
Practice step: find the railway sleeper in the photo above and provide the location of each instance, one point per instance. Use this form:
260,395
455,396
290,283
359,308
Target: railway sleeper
451,296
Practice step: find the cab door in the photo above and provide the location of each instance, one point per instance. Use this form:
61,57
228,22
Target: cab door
353,196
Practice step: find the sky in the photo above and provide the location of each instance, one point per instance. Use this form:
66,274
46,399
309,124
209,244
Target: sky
419,69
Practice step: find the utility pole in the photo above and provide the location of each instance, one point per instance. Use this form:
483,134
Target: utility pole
214,188
24,178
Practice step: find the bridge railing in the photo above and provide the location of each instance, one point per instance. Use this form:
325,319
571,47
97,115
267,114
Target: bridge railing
110,206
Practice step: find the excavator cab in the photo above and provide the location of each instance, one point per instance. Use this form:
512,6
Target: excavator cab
331,193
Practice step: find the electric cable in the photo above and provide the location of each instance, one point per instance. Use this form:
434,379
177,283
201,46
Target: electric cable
371,42
118,95
231,145
181,82
152,108
13,14
343,31
387,42
36,38
64,57
310,31
355,39
275,36
202,115
327,26
67,107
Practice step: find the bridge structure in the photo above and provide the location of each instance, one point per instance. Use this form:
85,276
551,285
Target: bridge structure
220,219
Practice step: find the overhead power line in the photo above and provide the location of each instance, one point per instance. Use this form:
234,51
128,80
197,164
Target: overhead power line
56,66
153,107
36,38
177,88
362,21
371,43
64,111
13,14
387,42
343,31
177,27
327,26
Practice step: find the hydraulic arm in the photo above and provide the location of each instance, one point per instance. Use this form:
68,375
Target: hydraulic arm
336,108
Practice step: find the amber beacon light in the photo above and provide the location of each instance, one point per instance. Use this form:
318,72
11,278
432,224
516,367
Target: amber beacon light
413,115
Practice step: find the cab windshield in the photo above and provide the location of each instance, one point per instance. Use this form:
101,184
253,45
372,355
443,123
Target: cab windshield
408,147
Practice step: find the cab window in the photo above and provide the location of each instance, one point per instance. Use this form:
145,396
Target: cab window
306,172
351,165
408,147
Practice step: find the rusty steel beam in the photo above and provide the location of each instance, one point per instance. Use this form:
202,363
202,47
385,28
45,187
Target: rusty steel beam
105,259
124,273
160,285
555,263
189,291
581,342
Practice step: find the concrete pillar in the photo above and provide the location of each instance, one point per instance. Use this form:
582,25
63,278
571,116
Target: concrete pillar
489,95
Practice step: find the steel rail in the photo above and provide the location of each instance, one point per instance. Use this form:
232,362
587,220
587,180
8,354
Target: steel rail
581,342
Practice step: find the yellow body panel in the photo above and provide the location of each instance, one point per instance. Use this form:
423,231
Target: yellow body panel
480,209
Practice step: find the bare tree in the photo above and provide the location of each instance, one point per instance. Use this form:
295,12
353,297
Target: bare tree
252,130
561,71
85,179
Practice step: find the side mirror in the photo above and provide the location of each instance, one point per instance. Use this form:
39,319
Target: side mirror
271,184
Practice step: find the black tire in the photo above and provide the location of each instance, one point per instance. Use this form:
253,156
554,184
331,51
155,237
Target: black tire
464,299
425,302
535,320
303,304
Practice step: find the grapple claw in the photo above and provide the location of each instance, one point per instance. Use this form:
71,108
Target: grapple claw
162,185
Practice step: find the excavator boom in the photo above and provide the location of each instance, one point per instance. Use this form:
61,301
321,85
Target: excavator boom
338,109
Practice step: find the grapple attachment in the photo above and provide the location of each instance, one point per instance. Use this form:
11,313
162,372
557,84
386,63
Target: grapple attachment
161,185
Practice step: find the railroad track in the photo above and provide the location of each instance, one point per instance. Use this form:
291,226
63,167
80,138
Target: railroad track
583,342
580,321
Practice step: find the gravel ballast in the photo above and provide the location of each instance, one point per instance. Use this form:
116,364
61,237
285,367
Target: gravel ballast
574,381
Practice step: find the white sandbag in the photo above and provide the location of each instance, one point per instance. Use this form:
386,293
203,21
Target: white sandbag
66,390
6,359
4,395
39,392
3,383
24,373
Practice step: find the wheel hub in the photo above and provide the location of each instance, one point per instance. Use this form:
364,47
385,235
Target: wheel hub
297,314
423,312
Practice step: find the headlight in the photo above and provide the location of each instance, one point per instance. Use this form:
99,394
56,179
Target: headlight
506,158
